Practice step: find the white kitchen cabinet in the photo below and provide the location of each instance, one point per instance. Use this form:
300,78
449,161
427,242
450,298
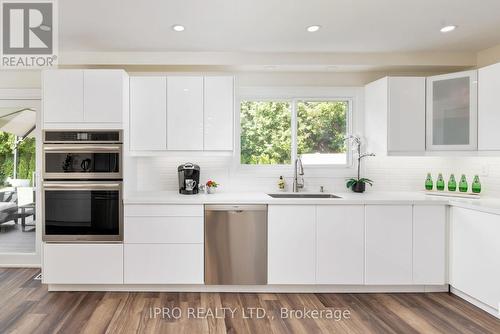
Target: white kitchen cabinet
388,245
429,244
340,244
488,108
164,264
218,113
475,254
163,230
395,115
291,244
62,96
185,113
452,111
148,113
83,263
105,95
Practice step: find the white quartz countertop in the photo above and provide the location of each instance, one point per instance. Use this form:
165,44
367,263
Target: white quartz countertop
486,204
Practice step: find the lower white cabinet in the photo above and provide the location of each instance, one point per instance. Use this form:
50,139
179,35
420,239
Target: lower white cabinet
163,264
340,244
388,258
83,263
291,244
164,230
475,255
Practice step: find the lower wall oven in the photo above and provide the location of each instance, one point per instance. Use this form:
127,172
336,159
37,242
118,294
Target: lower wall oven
82,211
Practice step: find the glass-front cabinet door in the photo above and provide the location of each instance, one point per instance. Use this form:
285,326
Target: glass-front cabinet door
452,112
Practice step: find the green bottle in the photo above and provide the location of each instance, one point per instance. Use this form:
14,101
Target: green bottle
440,182
428,182
463,186
452,183
476,185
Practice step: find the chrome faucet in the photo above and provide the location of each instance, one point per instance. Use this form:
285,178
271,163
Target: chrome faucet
298,180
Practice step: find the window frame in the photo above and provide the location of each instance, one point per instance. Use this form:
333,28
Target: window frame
294,95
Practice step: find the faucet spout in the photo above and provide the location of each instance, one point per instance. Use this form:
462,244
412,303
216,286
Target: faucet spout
298,180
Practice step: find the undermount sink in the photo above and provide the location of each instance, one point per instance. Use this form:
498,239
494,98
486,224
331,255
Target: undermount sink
303,195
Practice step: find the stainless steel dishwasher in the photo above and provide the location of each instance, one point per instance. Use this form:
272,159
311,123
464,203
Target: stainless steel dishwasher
235,244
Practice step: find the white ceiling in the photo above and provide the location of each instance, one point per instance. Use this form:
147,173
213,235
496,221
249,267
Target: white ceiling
278,25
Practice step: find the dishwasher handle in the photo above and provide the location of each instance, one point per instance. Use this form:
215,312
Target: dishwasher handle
236,207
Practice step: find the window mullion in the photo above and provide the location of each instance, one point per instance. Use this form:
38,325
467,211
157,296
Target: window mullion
294,130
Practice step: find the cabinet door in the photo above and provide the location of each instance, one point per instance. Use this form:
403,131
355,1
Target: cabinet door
452,111
218,115
148,113
406,118
163,264
83,264
429,244
291,244
475,254
340,244
185,113
104,95
62,96
488,108
388,244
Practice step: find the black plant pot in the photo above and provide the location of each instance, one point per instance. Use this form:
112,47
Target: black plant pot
359,187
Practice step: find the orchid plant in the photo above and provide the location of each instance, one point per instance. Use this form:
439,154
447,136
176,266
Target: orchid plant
358,184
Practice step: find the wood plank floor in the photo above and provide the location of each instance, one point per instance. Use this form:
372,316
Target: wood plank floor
27,307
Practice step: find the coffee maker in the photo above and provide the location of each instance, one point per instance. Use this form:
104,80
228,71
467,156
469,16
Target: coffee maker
189,178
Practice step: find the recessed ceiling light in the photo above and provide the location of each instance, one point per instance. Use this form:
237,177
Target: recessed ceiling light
178,27
313,28
448,28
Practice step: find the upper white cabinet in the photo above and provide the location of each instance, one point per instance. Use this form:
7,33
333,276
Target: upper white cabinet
452,111
84,96
395,115
148,113
218,115
388,253
62,96
489,107
291,244
185,113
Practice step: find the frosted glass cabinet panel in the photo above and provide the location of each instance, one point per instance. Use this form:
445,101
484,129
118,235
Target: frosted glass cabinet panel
452,111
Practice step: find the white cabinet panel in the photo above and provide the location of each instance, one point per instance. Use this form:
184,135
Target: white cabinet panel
475,254
489,107
62,96
388,258
291,244
104,95
185,113
83,264
340,244
163,264
218,115
429,244
163,230
163,210
148,113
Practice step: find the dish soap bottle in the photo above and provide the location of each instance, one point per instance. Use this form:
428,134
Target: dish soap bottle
476,185
440,182
281,184
463,186
428,182
452,183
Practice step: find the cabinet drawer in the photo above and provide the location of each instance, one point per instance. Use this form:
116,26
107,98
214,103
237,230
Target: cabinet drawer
164,210
83,264
175,230
163,264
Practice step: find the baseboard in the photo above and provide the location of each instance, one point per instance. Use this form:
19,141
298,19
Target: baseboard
31,266
494,312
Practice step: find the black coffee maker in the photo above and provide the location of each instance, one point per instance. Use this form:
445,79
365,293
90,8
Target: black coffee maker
189,178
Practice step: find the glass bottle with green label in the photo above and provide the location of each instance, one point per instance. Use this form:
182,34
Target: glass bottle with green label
463,186
476,185
440,182
452,183
428,182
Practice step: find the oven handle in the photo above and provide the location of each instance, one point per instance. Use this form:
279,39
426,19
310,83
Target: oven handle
81,186
81,148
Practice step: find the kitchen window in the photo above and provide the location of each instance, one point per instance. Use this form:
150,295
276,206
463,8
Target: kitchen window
275,131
